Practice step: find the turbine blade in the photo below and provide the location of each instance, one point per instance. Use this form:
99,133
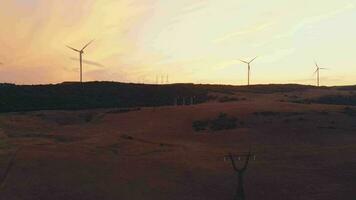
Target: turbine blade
72,48
243,61
253,59
87,45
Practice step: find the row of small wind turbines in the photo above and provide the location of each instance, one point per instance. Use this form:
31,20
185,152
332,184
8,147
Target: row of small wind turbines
81,52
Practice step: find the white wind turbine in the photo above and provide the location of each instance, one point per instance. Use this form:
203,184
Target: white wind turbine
249,69
81,52
317,72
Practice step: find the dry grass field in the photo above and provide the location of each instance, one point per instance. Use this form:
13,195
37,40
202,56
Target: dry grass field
303,151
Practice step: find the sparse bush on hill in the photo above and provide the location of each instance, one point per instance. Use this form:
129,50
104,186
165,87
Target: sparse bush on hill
229,99
331,99
201,125
123,110
349,111
222,122
88,117
267,113
347,88
281,114
337,99
66,118
324,112
263,89
127,137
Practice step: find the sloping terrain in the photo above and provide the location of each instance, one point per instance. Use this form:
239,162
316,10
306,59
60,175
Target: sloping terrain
303,151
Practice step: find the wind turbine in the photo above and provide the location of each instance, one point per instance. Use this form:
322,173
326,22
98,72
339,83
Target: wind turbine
249,69
317,71
81,58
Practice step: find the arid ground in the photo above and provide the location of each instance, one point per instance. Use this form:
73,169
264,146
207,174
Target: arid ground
303,151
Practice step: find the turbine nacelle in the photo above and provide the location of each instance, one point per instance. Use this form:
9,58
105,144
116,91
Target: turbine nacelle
317,65
246,62
318,68
82,50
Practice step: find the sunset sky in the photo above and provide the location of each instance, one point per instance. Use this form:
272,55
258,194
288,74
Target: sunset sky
197,41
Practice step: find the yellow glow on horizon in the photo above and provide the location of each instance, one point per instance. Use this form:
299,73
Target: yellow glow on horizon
191,40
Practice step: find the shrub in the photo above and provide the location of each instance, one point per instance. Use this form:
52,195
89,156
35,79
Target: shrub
88,117
267,113
227,99
222,122
200,125
331,99
349,111
127,137
123,110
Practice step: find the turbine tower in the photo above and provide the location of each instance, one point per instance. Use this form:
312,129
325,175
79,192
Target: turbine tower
249,69
317,72
81,58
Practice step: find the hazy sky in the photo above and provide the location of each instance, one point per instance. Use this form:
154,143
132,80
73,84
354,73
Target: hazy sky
196,41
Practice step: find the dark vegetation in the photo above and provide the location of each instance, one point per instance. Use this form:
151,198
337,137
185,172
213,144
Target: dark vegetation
222,122
347,88
66,118
263,89
271,113
3,144
332,99
39,135
349,111
90,95
123,110
225,99
76,96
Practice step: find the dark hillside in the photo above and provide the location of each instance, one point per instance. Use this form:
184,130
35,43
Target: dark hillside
90,95
73,96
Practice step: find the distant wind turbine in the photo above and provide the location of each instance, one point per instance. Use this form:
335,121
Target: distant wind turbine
317,71
81,58
249,69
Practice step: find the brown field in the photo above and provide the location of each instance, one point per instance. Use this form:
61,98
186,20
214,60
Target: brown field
304,152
